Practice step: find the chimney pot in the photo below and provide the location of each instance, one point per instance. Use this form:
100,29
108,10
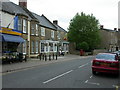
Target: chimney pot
23,3
55,22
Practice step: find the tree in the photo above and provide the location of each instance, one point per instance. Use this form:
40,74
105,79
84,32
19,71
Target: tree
84,28
83,46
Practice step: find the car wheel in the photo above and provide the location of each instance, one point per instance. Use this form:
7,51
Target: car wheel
94,72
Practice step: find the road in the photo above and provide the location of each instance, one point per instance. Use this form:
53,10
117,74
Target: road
67,74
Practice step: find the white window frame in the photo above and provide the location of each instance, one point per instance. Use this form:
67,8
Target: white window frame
37,29
20,24
32,48
42,48
32,29
24,26
37,46
52,34
58,34
42,31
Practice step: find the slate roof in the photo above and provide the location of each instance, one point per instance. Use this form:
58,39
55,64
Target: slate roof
60,28
13,9
45,22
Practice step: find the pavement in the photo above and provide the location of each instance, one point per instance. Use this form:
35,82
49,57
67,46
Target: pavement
34,62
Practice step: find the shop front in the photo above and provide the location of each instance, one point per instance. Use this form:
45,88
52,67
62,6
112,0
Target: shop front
10,39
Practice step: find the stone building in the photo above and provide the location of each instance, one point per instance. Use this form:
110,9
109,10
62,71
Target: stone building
38,34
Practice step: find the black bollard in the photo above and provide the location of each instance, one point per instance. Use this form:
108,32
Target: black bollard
25,58
56,56
45,57
53,56
40,56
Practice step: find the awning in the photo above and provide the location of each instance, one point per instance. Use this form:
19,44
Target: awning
10,38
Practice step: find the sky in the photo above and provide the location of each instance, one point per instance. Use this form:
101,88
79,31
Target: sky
106,11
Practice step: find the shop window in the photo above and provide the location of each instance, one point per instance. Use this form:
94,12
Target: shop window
42,47
24,25
36,46
37,29
32,46
58,34
24,47
42,31
52,34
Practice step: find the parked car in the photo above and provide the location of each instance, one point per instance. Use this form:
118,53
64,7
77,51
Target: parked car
106,63
117,52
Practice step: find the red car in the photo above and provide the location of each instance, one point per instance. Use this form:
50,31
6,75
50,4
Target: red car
106,63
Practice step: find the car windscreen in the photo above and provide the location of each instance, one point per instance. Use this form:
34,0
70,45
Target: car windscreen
106,57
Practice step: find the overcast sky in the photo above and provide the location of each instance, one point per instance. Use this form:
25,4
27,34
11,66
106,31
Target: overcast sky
106,11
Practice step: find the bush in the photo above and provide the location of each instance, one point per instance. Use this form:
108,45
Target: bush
83,45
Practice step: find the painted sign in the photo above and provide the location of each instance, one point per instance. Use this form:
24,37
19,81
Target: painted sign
10,31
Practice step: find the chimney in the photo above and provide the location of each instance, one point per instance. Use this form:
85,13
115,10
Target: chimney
55,22
23,3
101,26
115,29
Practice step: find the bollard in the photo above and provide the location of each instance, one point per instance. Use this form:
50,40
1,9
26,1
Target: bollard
40,56
25,58
49,57
45,57
53,56
56,56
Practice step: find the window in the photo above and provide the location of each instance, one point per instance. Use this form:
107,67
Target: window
37,29
24,47
52,34
19,24
32,50
24,25
42,47
58,34
32,29
36,46
42,31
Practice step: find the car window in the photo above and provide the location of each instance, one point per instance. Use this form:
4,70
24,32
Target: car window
106,57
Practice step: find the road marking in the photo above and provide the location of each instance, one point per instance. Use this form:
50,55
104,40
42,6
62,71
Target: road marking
57,77
93,83
90,76
83,65
86,81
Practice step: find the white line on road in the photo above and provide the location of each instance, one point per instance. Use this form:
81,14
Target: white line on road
57,77
86,81
93,83
83,65
90,76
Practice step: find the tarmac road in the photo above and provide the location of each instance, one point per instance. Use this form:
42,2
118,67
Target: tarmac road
69,74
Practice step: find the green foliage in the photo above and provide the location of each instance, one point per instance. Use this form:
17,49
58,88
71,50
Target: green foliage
84,28
83,45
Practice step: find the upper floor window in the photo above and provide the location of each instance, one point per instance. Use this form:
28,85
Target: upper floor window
20,24
32,29
58,34
52,34
24,25
37,29
42,31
